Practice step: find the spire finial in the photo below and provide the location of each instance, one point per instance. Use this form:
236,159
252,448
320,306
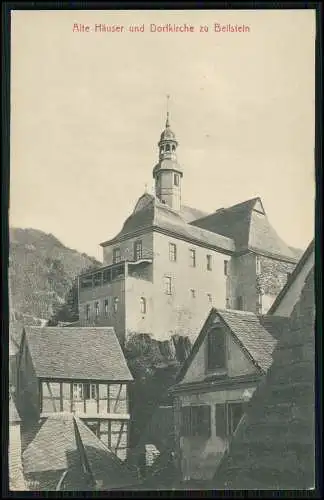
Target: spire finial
167,124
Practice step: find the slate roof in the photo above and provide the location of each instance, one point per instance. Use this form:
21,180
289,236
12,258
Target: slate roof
247,329
249,228
77,353
190,214
150,213
274,446
15,334
14,417
57,447
252,335
309,250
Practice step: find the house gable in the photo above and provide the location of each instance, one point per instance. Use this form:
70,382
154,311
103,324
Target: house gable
237,361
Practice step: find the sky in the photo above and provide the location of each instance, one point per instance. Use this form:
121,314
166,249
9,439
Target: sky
87,110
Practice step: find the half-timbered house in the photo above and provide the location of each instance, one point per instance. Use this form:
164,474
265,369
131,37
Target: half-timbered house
78,370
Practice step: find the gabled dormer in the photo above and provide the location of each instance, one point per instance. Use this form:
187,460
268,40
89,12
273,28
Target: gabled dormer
231,345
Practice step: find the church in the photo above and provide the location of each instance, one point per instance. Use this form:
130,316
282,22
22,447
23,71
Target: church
171,263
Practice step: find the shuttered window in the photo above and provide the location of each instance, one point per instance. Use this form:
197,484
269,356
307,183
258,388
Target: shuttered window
195,421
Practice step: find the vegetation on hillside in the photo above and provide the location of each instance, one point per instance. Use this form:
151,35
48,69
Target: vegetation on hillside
42,274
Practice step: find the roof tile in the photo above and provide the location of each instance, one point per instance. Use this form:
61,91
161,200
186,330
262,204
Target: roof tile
77,353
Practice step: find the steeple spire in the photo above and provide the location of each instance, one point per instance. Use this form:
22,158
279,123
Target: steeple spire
167,124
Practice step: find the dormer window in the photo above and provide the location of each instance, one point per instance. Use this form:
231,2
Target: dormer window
216,349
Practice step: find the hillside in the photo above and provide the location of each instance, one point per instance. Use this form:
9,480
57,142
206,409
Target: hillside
42,271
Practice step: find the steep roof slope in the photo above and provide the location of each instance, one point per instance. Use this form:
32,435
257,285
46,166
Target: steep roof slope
248,225
290,293
248,330
274,444
77,353
64,442
150,213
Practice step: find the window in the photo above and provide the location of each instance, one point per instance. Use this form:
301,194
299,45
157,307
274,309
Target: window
172,252
227,418
90,391
228,304
116,255
87,311
193,293
97,309
195,421
143,305
116,300
239,303
97,279
226,267
210,297
51,397
106,307
118,398
258,265
192,255
216,349
167,285
167,147
176,179
138,250
209,262
77,392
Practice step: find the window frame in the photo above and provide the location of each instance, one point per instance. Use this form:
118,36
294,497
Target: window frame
116,251
167,281
192,257
106,307
211,363
209,262
172,252
226,263
176,179
143,307
97,309
195,421
138,250
87,312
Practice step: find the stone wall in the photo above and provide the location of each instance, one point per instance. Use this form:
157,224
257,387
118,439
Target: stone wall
271,278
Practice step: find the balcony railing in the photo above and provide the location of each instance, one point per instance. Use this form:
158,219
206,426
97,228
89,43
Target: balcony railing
109,274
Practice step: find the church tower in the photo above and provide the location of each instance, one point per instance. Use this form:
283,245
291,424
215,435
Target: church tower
168,173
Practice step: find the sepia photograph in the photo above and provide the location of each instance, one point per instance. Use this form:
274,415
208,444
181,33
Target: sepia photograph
161,250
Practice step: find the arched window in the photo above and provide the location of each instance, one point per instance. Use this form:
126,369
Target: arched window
173,147
143,305
97,309
167,147
116,300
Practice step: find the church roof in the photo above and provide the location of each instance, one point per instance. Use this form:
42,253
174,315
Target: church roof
274,445
248,225
150,213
